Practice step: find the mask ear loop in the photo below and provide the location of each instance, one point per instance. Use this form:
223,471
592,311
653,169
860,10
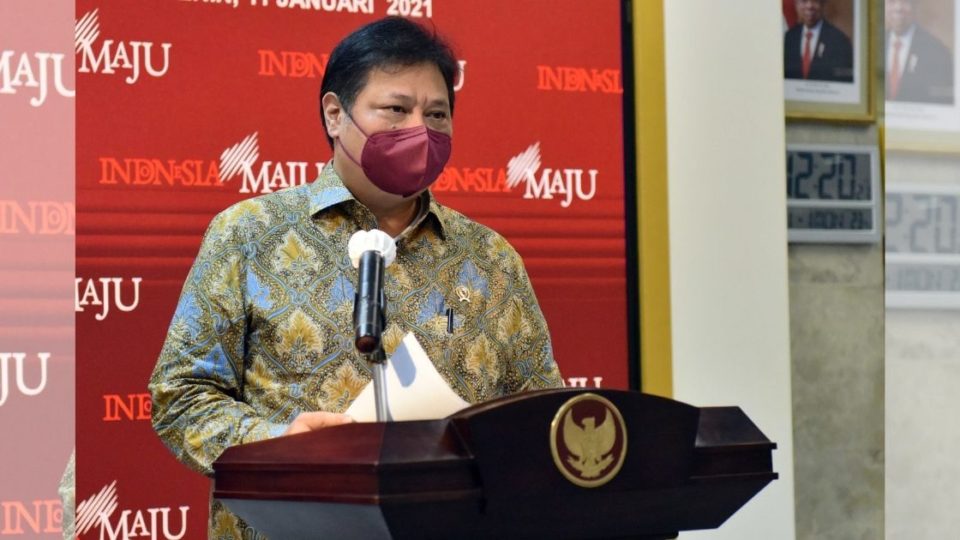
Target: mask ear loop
355,124
344,148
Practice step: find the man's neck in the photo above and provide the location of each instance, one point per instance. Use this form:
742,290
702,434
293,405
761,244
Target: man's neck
903,33
393,221
393,214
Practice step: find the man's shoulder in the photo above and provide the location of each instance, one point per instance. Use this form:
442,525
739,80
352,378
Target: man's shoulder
461,228
263,210
794,32
924,41
831,32
458,224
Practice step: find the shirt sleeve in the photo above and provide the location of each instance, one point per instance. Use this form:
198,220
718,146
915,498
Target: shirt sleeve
533,359
68,491
197,384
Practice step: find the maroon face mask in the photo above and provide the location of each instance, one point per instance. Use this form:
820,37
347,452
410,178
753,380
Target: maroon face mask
403,161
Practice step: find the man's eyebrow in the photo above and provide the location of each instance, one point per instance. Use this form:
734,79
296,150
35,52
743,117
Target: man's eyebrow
398,95
438,102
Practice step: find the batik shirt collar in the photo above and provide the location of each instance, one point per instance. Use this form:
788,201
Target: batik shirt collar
328,191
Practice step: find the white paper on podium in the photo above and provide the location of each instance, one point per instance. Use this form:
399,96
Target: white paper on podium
415,390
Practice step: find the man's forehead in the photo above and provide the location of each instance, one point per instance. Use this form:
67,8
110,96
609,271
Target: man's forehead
394,72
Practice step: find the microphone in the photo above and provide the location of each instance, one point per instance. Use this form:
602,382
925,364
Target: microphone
370,252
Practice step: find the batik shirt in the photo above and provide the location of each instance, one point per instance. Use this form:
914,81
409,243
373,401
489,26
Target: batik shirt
263,330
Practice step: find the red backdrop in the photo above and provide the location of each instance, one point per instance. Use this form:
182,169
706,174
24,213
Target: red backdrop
36,264
184,107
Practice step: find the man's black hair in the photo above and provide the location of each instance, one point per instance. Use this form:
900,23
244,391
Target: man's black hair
388,42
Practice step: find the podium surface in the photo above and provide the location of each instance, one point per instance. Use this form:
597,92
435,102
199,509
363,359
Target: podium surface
547,464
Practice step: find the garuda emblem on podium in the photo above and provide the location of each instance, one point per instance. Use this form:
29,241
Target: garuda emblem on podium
588,440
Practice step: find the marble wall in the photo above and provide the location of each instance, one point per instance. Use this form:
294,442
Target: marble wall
836,333
923,366
836,311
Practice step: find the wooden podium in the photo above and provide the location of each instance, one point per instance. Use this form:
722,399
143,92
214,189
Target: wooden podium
489,472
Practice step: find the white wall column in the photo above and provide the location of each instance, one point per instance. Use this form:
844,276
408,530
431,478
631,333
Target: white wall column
728,240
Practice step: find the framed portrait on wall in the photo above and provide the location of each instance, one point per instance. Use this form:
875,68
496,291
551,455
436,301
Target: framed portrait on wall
826,59
920,65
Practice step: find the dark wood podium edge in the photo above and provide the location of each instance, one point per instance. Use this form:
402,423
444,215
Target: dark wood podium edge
710,447
467,495
480,408
746,447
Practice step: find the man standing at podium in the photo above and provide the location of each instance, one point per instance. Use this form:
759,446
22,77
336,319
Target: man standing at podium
261,343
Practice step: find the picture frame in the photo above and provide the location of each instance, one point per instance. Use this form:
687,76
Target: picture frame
827,60
922,98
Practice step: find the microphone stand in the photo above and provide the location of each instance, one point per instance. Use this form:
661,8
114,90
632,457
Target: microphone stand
378,368
369,321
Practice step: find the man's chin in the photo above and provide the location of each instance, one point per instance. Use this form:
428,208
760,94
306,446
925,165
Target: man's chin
399,196
899,28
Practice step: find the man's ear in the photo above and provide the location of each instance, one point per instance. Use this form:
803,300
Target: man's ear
333,113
